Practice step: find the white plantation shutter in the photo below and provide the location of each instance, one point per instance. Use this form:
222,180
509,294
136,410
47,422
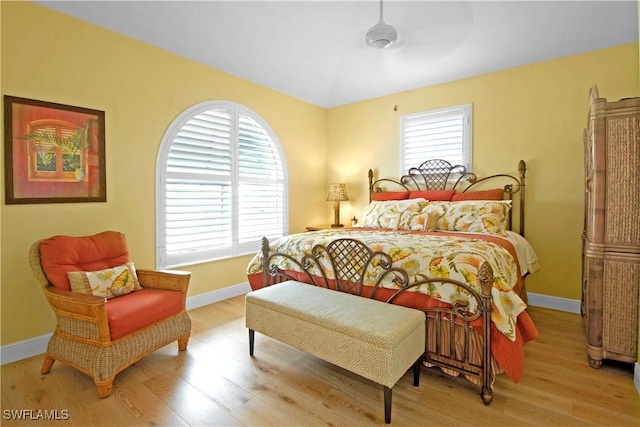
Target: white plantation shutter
198,185
261,184
221,185
439,134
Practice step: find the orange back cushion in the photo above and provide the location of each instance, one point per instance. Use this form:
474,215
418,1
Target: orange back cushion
62,254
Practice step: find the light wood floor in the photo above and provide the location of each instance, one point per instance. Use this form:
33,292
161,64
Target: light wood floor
216,383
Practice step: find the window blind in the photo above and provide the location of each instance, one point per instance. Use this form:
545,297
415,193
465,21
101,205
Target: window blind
261,184
199,187
224,188
441,134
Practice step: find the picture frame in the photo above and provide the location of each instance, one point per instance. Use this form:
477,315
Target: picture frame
53,153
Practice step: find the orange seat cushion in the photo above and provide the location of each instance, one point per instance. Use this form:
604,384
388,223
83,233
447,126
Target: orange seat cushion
132,312
62,254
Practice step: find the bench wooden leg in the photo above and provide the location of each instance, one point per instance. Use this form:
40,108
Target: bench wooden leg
387,405
416,372
252,335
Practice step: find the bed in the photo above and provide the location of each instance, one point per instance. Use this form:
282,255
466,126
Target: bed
438,224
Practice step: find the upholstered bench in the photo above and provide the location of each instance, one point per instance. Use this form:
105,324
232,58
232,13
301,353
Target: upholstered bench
373,339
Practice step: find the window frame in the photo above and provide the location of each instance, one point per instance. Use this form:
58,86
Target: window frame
163,260
56,128
466,111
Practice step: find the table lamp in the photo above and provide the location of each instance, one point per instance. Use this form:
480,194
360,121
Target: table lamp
337,194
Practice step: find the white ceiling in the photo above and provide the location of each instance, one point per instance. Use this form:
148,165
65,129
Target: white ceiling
315,50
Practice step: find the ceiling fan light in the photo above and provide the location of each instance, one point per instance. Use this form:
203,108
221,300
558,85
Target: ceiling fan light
381,35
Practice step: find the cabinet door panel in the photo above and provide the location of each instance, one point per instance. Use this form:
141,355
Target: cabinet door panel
623,186
620,320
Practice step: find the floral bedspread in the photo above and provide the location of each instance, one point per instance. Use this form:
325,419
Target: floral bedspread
427,255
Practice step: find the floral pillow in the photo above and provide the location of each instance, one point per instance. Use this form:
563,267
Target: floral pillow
475,216
386,214
108,283
417,220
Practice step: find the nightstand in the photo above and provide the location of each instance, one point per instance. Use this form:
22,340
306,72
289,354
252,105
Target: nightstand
325,227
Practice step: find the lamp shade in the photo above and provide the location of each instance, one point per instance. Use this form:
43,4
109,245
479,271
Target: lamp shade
337,193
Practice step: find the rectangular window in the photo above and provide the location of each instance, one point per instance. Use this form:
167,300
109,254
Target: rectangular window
437,134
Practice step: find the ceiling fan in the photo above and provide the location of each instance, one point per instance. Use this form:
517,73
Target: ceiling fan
381,35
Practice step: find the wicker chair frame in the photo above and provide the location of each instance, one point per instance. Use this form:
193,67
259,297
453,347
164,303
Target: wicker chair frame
82,338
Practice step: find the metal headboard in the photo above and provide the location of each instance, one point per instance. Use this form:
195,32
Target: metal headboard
439,174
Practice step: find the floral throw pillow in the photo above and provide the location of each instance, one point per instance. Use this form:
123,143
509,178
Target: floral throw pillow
489,217
108,283
387,214
475,216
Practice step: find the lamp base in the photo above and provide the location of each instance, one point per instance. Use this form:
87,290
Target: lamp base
336,215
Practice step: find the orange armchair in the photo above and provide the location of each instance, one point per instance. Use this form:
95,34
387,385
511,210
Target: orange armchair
101,336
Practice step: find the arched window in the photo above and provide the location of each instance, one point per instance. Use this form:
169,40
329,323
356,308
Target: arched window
221,185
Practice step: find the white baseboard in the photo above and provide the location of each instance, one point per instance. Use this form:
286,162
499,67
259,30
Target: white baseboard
636,376
38,345
23,349
554,303
217,296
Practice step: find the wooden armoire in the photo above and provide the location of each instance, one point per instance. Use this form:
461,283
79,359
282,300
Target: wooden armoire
611,238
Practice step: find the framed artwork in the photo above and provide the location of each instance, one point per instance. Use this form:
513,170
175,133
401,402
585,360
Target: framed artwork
53,153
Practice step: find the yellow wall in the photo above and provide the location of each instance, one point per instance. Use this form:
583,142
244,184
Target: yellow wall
535,112
50,56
